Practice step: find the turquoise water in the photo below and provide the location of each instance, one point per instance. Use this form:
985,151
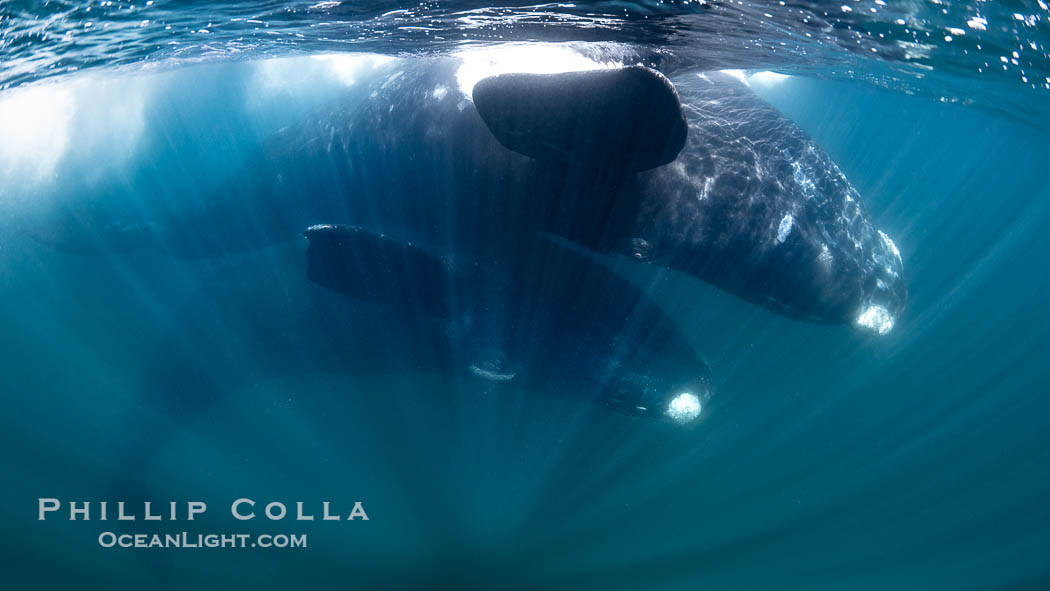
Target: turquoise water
827,458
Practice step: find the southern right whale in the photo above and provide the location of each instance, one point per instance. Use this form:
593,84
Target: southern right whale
566,327
564,323
744,200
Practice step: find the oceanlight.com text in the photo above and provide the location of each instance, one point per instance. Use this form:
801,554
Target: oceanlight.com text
187,540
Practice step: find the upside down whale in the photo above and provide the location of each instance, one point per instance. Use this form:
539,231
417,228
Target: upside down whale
694,174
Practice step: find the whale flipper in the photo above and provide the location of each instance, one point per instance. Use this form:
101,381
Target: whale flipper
629,118
373,267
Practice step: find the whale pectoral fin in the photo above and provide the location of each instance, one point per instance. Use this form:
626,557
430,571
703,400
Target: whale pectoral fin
629,117
376,268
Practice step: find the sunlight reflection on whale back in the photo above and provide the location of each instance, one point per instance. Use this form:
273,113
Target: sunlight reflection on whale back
533,58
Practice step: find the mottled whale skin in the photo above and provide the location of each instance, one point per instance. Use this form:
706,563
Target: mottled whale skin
754,206
750,203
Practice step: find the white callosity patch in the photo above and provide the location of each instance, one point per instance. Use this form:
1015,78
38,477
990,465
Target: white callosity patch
784,229
804,173
892,248
683,408
825,257
533,58
875,318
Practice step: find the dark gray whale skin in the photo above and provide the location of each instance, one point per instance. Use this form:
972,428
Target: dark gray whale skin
750,204
754,206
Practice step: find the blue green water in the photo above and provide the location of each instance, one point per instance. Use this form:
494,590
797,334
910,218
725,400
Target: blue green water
828,459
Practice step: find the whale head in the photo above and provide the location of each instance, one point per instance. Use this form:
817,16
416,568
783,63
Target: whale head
754,206
682,404
885,292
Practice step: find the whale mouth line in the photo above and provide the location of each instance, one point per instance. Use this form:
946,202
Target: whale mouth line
492,375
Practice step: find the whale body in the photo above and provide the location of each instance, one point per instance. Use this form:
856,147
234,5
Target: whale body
470,185
695,174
